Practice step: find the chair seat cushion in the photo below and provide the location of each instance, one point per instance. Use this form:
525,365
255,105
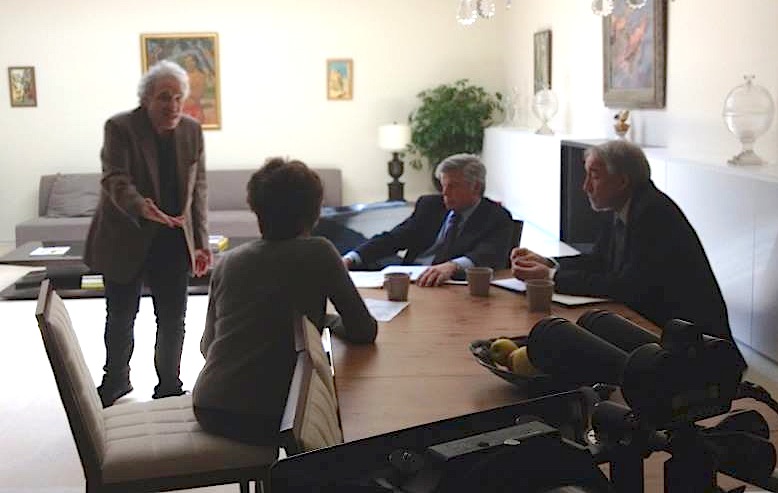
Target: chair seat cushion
162,438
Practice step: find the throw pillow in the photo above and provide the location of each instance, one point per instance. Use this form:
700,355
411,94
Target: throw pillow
74,195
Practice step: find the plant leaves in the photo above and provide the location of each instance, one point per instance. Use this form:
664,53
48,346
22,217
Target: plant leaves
451,119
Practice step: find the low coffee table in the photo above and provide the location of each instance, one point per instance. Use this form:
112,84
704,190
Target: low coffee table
23,255
65,271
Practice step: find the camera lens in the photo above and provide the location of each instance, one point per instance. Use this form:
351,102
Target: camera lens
616,329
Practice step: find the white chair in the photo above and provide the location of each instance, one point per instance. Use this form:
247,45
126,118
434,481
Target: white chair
158,445
313,413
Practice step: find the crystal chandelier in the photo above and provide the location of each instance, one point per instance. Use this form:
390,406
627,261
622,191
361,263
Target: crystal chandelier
604,8
470,11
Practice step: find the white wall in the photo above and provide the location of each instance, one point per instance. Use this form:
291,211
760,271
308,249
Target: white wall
86,55
711,44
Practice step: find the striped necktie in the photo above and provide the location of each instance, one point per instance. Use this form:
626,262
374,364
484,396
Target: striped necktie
449,236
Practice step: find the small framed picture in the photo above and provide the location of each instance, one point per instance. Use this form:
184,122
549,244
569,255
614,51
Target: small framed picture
340,79
21,84
542,72
198,54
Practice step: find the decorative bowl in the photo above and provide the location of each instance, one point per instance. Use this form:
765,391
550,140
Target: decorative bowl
536,385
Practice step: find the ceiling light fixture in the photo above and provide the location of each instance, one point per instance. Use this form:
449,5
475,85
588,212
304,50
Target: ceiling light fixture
470,11
604,8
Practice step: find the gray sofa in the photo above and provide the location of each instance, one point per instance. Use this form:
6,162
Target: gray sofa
67,201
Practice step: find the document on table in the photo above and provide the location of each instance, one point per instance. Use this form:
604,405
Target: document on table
375,279
383,310
56,250
412,270
514,284
367,278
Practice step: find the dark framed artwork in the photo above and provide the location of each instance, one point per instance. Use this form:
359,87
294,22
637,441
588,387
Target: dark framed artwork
340,79
542,60
635,56
198,54
21,86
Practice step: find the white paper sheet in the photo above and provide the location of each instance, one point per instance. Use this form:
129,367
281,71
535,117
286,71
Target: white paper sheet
367,279
57,250
412,270
511,284
375,279
384,310
514,284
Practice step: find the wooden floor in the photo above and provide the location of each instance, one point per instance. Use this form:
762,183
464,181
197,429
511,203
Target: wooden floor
37,452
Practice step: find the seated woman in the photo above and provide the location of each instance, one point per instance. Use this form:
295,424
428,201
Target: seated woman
248,342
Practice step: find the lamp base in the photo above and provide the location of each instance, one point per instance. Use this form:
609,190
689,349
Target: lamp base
396,190
396,168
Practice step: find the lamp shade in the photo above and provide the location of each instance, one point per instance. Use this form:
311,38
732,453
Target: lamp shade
394,137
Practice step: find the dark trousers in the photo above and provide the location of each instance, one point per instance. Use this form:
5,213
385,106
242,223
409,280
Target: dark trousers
166,274
253,429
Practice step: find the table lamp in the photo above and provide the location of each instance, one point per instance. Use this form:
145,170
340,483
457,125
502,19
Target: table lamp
395,137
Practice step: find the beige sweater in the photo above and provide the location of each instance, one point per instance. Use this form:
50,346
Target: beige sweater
248,342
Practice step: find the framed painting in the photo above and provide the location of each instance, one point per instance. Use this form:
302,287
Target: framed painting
340,79
542,58
198,54
21,85
635,56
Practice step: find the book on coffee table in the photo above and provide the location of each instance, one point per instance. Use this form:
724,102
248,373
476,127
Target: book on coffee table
218,243
54,250
92,281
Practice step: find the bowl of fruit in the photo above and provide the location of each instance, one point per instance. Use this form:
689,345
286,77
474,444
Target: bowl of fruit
507,358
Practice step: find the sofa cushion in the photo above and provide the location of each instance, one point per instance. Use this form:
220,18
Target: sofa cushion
74,195
227,189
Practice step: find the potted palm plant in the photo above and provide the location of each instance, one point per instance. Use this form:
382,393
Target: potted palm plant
450,119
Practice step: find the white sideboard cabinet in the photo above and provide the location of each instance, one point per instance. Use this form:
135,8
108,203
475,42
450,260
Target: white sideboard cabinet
733,209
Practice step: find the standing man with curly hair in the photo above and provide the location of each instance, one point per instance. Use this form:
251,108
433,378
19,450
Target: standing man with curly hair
150,227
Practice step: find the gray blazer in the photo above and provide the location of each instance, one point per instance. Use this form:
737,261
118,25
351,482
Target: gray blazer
119,237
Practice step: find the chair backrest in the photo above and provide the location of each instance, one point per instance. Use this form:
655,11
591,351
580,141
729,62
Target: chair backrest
308,338
310,419
518,227
76,387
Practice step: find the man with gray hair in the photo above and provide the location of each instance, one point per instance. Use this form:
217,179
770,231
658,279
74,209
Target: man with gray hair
150,226
648,256
450,232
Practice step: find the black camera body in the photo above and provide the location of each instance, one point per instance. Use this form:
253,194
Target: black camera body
488,462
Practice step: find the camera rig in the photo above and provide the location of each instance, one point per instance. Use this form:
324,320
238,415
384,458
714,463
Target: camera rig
557,443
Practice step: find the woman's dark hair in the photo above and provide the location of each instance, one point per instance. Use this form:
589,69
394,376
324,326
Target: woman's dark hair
286,196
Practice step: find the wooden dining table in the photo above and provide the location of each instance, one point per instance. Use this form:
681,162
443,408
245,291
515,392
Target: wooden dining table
420,368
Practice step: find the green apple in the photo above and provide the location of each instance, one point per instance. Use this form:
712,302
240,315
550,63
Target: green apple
501,349
520,364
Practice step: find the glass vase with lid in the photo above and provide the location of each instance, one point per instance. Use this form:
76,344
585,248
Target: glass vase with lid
748,113
544,106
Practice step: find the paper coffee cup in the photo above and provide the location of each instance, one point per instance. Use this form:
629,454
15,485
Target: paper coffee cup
396,285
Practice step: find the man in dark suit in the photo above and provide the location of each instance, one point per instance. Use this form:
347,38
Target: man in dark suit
150,226
450,232
648,256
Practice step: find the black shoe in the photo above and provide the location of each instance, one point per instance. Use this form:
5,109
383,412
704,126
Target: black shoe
110,393
161,394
